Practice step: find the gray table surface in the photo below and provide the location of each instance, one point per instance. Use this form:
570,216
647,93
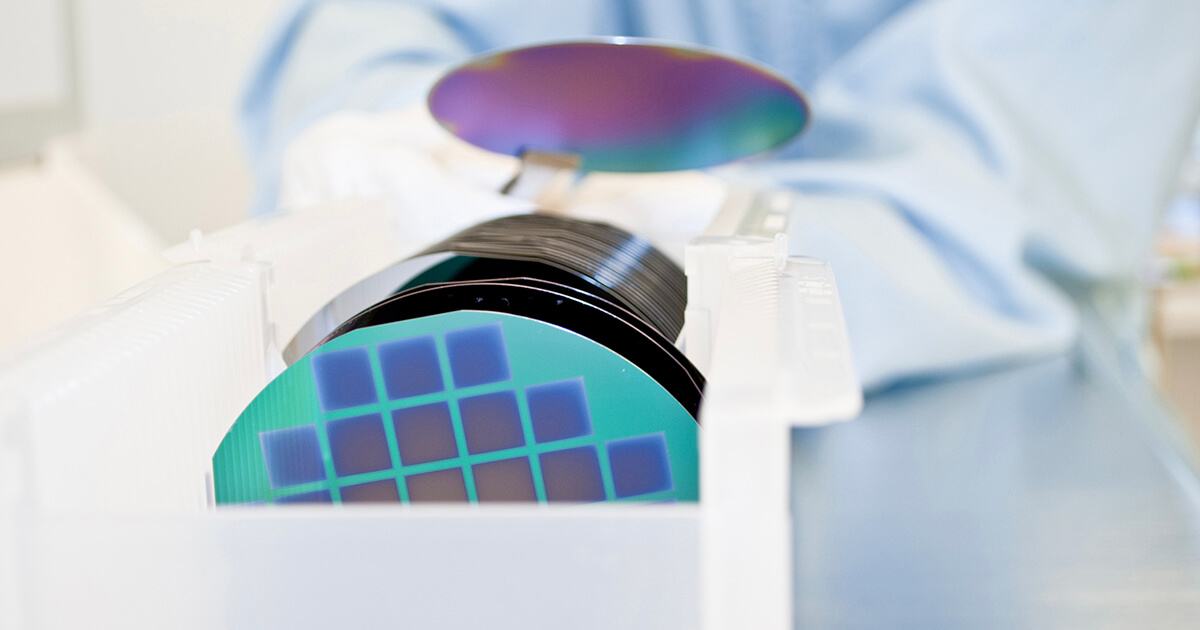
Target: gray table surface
1051,495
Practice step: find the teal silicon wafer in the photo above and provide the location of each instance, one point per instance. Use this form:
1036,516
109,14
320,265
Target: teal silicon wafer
460,406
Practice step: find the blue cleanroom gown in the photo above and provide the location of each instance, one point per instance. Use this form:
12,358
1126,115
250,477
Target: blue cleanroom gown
992,154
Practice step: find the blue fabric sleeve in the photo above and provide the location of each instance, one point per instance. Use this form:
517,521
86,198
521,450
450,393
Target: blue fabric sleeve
993,158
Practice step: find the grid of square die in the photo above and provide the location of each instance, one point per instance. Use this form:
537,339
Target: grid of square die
490,422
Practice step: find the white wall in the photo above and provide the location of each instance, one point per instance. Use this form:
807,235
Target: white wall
33,54
36,99
152,86
141,59
132,105
159,83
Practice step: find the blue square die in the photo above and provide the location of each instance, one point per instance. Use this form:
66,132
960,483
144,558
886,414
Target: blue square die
358,445
478,355
491,422
344,379
292,456
410,367
640,465
559,410
572,475
425,433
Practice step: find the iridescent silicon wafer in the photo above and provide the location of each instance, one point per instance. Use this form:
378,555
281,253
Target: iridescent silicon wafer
622,105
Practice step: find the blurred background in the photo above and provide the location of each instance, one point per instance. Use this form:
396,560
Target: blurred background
118,135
